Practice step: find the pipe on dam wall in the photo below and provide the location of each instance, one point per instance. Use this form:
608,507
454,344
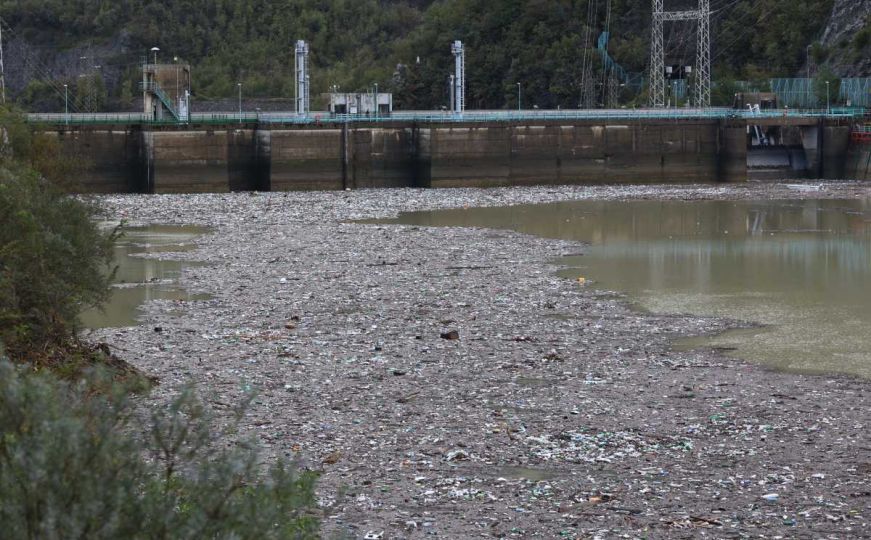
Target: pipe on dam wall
280,158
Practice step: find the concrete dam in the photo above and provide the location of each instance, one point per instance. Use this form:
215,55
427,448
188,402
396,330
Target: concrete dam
224,157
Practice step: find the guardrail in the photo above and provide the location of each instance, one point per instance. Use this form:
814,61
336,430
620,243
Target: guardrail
434,117
861,134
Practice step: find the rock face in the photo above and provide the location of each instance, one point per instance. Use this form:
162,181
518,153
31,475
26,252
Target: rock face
849,18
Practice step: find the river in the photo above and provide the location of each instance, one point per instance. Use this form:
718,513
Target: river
796,273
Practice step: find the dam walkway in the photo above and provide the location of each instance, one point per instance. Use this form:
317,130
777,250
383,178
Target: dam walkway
791,116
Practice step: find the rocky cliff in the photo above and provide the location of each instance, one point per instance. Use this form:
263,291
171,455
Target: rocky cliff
846,41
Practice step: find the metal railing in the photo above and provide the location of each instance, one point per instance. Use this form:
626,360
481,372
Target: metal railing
155,89
436,117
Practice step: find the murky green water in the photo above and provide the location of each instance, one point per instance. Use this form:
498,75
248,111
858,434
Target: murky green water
802,268
140,279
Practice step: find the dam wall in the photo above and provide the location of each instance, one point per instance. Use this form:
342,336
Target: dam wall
579,154
858,163
216,159
108,160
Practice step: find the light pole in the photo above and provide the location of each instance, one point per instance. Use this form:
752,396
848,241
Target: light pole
155,50
808,61
240,101
828,101
67,104
518,97
809,84
376,100
177,94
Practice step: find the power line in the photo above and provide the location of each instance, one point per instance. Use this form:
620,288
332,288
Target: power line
587,90
42,73
605,70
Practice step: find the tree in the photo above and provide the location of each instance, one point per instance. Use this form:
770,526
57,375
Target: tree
55,261
827,87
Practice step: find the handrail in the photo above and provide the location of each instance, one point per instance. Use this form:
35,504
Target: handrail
434,117
155,89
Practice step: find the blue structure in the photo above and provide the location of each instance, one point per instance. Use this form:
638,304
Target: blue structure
635,81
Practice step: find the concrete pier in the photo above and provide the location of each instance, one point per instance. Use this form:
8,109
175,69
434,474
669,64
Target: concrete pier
858,166
191,159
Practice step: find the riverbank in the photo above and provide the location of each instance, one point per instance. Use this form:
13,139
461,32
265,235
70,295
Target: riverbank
558,411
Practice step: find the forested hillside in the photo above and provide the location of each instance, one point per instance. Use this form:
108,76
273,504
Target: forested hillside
403,45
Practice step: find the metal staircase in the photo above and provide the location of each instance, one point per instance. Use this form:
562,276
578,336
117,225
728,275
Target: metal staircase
155,89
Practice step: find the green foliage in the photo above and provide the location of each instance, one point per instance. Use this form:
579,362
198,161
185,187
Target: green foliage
25,149
819,53
74,464
862,39
830,91
54,260
723,93
356,43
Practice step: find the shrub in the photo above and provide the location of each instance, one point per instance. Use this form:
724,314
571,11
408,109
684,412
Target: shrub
76,464
54,262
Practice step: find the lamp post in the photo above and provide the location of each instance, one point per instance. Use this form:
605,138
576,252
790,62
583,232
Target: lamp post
518,97
808,83
828,101
376,100
177,94
67,104
155,50
240,101
808,51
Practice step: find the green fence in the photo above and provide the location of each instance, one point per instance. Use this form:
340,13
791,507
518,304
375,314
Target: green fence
808,94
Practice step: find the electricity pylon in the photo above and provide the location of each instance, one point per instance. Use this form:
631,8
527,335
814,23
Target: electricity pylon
702,17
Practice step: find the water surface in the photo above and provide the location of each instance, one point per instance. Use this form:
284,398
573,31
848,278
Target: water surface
801,268
140,279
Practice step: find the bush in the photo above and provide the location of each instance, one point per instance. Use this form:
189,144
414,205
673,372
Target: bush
75,464
827,93
54,262
862,39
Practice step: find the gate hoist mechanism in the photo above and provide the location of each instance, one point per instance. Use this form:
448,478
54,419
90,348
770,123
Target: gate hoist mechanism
458,88
303,103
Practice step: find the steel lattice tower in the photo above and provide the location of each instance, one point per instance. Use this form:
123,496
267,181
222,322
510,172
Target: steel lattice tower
657,57
703,52
703,56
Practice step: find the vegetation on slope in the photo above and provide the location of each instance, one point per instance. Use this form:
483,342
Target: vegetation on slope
403,45
78,458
